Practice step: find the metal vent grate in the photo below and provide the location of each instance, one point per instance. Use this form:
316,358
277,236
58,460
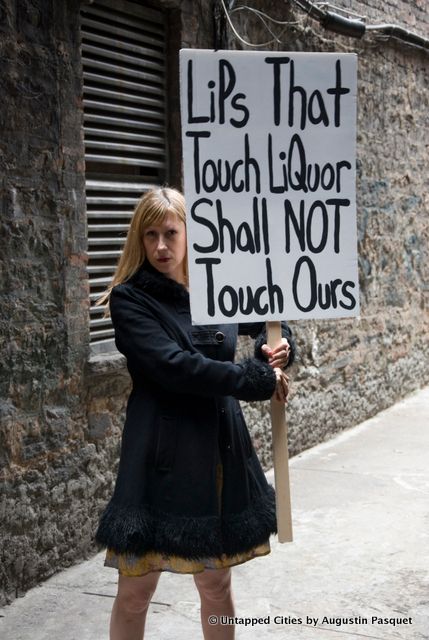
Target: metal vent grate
124,80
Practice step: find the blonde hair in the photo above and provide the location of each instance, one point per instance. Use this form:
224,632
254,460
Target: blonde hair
151,209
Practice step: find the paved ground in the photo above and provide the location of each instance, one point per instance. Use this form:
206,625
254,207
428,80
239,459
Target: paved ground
360,552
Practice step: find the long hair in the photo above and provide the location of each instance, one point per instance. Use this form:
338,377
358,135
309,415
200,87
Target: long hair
151,209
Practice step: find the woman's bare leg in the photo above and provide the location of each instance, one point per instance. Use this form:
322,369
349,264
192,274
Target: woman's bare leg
129,611
214,587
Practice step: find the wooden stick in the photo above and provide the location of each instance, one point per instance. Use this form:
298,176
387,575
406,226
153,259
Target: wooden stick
280,451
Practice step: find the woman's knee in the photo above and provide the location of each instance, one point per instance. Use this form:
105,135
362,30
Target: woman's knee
134,594
214,584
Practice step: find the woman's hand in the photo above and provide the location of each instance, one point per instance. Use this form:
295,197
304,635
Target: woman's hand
282,385
278,357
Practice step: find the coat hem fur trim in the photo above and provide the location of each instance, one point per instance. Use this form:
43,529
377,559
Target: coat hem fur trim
138,530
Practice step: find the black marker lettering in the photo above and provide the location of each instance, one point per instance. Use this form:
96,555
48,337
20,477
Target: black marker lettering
300,183
323,116
209,167
239,107
334,284
225,86
196,135
324,304
303,227
325,295
322,244
209,262
292,90
265,234
338,203
233,307
316,178
277,96
273,188
206,223
338,91
211,85
297,225
257,301
345,291
327,177
237,187
343,164
245,241
312,281
273,290
293,172
250,162
224,223
191,118
256,225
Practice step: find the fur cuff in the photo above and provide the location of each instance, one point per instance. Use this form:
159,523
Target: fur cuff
259,381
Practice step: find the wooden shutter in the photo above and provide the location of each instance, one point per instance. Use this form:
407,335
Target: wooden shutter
124,88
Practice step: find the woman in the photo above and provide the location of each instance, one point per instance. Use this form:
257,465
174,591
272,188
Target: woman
190,494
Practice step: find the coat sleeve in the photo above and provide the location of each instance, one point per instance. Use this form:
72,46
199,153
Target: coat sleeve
149,348
257,330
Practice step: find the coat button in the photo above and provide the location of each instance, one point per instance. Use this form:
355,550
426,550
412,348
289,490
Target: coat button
219,337
222,410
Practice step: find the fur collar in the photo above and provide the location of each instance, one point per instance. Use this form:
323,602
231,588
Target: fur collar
157,285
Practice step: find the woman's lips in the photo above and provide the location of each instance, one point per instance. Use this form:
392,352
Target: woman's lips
163,259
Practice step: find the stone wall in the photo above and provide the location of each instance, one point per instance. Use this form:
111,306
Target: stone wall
61,409
350,369
44,453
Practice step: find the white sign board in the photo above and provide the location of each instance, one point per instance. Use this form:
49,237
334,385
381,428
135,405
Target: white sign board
269,166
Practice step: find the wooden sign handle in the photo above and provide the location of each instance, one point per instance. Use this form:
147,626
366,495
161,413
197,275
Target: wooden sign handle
280,451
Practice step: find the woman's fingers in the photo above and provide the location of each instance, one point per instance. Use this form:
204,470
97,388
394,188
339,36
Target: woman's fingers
282,385
285,382
281,361
284,388
278,384
266,351
279,356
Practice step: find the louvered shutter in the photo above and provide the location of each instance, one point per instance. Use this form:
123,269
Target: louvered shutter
124,78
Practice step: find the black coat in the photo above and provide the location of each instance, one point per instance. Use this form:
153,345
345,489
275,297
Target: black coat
183,416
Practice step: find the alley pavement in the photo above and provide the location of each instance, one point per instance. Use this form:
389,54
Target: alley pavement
358,566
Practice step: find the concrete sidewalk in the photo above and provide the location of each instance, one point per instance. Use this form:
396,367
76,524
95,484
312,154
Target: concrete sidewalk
360,552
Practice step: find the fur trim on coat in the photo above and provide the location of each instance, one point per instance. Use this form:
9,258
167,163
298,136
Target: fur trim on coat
137,530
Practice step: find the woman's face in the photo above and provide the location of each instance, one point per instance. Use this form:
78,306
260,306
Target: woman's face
165,247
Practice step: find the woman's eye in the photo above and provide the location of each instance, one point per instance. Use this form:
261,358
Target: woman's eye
172,232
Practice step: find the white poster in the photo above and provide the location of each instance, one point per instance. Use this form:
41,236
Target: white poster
269,167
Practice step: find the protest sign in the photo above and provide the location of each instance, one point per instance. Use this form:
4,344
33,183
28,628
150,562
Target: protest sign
269,168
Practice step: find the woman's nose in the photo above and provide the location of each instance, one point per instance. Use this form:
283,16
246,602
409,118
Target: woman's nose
161,243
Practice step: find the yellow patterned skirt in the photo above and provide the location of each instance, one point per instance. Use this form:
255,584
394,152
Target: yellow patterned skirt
139,565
